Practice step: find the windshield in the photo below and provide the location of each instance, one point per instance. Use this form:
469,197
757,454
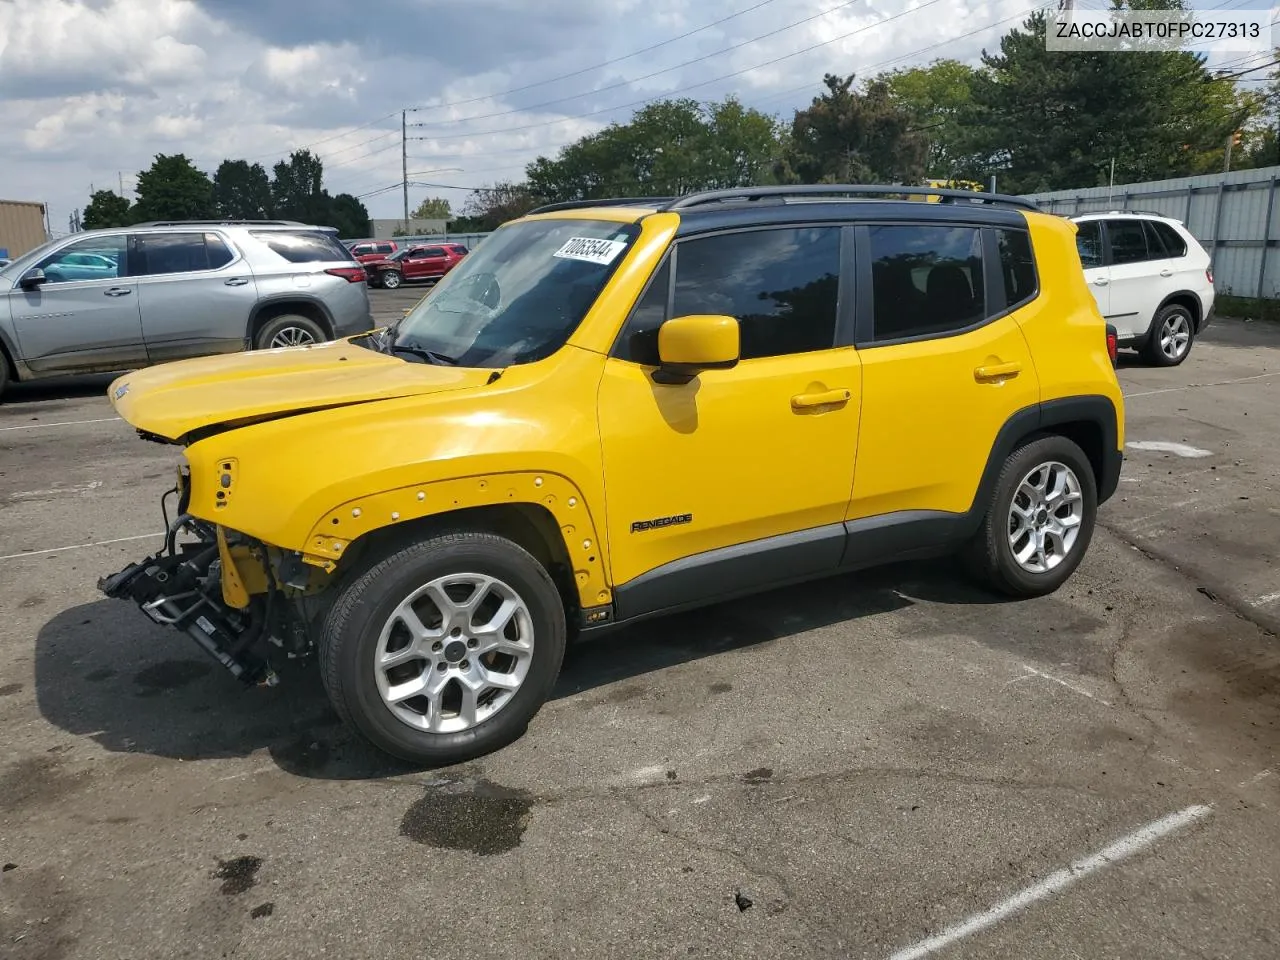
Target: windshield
519,295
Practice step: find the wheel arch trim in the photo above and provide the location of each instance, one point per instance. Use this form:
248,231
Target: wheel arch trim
333,535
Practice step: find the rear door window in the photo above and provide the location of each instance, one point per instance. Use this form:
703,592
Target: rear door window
1128,242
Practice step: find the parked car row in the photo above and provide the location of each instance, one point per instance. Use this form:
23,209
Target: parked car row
389,264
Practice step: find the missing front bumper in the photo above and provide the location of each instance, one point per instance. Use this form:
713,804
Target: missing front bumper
181,586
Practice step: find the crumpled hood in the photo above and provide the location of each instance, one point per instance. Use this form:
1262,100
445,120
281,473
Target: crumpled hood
171,400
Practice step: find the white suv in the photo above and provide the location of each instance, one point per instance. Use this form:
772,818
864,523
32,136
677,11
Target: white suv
1151,279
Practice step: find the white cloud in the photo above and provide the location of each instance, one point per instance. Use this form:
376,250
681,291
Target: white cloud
89,88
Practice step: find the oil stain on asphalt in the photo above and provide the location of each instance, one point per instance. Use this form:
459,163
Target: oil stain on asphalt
485,820
237,875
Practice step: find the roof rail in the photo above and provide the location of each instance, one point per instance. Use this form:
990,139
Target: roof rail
835,190
602,202
226,222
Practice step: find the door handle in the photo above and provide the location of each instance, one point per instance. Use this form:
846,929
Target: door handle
804,401
997,371
1166,272
236,282
117,291
1100,281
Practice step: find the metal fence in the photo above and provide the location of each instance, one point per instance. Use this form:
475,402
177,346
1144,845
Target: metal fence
1231,214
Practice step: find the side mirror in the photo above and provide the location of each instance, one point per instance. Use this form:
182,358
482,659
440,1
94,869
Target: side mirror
688,345
32,279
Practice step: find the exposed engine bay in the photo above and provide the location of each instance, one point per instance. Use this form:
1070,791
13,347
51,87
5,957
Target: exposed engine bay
196,584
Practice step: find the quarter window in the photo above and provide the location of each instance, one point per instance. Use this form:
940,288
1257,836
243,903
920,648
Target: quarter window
926,280
781,285
1017,265
1174,245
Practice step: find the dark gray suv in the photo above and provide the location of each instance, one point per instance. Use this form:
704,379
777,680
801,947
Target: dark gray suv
117,299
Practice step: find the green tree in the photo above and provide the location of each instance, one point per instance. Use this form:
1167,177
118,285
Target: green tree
1053,121
297,188
173,189
241,190
847,135
939,100
349,215
106,209
432,208
490,207
668,147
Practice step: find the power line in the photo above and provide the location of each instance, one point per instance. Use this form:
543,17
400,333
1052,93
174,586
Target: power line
606,63
647,76
671,93
308,146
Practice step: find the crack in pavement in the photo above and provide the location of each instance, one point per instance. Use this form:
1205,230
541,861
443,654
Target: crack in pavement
1215,589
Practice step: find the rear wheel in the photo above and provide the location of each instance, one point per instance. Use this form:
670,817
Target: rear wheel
1172,333
446,649
4,374
289,330
391,279
1039,520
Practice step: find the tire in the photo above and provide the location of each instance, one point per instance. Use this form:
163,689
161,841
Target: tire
390,279
1172,333
4,374
292,329
990,554
369,606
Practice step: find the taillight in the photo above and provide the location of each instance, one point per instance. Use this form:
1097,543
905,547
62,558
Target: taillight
1111,343
1208,274
349,274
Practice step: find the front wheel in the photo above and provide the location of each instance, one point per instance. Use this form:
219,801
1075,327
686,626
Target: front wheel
391,279
1039,520
446,649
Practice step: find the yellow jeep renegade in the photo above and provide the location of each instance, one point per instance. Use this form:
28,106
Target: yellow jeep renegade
622,408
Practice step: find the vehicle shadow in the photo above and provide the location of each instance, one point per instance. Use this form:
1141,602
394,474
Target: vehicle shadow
44,392
102,671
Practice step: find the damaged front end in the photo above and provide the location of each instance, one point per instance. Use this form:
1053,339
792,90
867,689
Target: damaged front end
240,600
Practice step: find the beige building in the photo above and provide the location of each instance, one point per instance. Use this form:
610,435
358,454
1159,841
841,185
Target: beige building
22,227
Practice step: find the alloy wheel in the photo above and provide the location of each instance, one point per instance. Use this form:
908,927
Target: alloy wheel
454,652
1045,517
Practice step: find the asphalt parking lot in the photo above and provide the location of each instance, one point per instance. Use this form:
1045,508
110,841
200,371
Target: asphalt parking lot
888,765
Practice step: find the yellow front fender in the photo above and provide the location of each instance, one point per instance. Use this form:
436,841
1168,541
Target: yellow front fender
333,534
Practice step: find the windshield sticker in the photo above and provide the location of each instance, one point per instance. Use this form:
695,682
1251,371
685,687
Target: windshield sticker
602,252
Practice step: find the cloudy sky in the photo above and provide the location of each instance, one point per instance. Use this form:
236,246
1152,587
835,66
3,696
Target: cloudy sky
91,89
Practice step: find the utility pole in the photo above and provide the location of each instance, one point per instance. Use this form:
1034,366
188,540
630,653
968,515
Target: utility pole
404,163
120,174
1226,166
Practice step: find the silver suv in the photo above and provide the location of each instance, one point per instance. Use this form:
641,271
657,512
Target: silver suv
121,298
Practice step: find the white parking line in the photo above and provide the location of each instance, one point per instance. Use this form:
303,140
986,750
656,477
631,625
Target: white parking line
1033,672
1168,446
1197,386
77,546
1056,881
58,423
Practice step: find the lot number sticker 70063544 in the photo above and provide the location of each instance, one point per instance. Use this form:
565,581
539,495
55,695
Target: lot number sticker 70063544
593,251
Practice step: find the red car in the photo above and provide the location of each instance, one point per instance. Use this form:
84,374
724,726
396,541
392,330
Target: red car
428,262
369,250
